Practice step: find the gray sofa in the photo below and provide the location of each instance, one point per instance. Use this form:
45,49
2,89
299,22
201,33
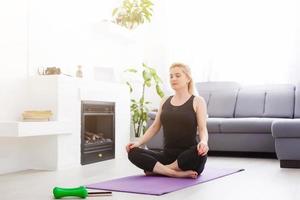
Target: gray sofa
257,119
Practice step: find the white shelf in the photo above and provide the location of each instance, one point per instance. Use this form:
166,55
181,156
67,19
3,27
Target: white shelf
25,129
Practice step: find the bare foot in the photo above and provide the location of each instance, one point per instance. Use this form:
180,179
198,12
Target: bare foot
171,172
186,174
176,174
172,166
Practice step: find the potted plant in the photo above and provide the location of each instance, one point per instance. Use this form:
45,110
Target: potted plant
133,13
139,108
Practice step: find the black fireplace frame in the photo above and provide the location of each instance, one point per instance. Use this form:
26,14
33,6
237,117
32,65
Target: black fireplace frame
102,152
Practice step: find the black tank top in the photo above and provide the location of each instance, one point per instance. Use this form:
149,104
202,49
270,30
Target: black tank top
179,124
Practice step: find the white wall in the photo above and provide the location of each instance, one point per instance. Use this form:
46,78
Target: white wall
239,36
13,39
295,71
245,41
43,33
250,42
70,33
64,34
13,69
210,37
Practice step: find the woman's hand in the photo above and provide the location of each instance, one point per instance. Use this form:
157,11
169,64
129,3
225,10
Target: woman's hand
202,148
131,145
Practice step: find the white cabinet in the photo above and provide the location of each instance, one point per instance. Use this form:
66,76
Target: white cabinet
56,144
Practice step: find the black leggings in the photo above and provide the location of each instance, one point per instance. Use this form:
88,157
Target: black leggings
187,159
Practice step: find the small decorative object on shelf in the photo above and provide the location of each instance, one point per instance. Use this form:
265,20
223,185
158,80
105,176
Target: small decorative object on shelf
79,71
49,71
37,115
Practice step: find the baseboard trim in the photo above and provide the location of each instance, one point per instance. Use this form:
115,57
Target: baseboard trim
290,164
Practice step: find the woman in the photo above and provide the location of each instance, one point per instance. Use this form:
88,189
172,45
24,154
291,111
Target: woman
180,116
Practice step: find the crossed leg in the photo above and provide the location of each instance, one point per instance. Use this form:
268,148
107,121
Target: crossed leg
187,164
154,163
173,166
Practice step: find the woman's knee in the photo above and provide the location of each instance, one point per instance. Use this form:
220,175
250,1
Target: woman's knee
133,154
201,164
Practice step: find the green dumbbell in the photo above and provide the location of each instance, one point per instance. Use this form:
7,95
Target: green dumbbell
66,192
81,192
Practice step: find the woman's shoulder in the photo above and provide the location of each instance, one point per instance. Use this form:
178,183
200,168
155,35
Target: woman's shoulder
199,101
164,99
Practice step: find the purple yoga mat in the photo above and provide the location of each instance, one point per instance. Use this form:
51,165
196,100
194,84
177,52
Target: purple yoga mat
159,185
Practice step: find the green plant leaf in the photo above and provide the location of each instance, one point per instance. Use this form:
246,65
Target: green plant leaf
133,107
130,87
114,11
133,101
144,65
159,91
146,76
142,100
135,117
144,116
131,70
148,18
148,83
132,13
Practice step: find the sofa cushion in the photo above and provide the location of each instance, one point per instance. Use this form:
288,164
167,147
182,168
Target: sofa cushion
222,103
279,101
246,142
246,125
157,141
297,102
220,97
250,102
286,128
213,125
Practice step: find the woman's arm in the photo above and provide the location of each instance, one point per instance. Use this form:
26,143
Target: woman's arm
201,113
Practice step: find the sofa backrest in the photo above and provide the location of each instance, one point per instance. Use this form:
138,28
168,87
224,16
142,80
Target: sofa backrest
220,97
250,102
266,101
279,101
297,101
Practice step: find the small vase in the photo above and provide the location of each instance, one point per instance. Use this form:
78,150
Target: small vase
79,71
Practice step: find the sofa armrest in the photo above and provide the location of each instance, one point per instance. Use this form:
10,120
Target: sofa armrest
286,128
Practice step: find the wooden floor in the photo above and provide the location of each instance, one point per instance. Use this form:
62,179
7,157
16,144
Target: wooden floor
262,179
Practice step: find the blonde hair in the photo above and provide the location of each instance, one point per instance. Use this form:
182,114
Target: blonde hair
187,71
